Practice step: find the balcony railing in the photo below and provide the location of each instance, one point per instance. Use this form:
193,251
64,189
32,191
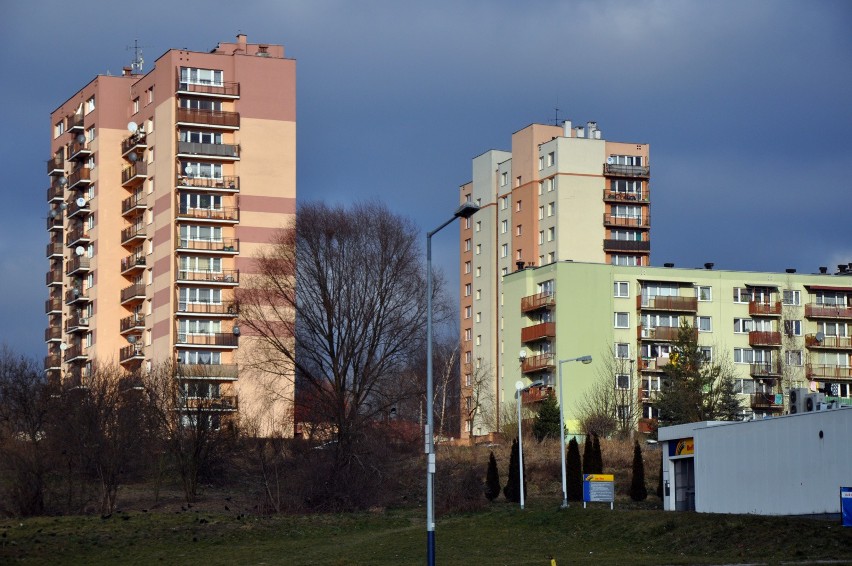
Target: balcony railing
664,303
226,339
52,362
227,214
80,176
815,310
770,370
56,223
132,352
536,394
228,276
132,233
56,166
135,291
537,363
53,306
218,150
77,236
134,142
74,122
538,331
52,334
79,150
208,117
132,322
225,89
663,333
224,403
227,308
55,193
770,401
619,196
643,221
74,295
75,208
653,364
133,203
615,170
134,173
133,261
77,264
226,245
764,309
764,338
814,371
220,184
54,277
55,249
828,342
224,372
76,323
537,301
626,246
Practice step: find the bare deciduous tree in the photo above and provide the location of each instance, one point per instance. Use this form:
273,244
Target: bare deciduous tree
611,405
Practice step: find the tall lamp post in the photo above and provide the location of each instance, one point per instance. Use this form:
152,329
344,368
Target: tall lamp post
585,360
466,210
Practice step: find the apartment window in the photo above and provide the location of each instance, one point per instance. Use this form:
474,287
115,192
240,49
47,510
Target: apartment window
743,356
541,239
518,206
478,249
467,311
832,328
504,179
517,181
504,226
743,325
59,128
478,317
793,327
200,201
504,271
551,257
540,187
467,289
540,212
504,203
200,264
626,211
467,197
467,245
830,298
478,339
478,226
627,260
621,289
622,351
706,353
201,170
198,136
518,230
478,294
150,93
551,207
626,235
190,75
551,233
467,380
551,184
478,271
791,297
744,386
704,324
742,295
518,254
199,296
201,357
90,222
794,358
90,134
551,158
540,162
467,267
467,334
90,104
622,381
467,223
704,293
625,160
504,250
136,105
622,320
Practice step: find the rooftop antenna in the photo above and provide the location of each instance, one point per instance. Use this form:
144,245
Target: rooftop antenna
556,112
138,61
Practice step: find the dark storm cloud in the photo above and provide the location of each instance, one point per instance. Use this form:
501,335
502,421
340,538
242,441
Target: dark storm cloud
745,105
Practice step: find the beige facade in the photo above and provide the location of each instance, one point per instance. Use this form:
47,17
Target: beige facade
163,186
561,193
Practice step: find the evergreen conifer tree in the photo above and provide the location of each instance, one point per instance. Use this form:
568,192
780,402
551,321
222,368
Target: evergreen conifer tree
492,479
638,491
573,472
588,456
546,423
512,490
596,450
660,481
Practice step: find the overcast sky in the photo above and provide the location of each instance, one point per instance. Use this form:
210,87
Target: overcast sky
747,106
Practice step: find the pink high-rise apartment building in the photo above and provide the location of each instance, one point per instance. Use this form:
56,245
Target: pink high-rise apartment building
163,185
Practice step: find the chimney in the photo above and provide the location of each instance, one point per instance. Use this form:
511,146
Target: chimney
241,39
566,128
579,131
841,268
823,270
520,265
708,266
668,265
790,270
126,71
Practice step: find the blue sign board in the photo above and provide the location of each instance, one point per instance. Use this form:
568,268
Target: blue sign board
846,506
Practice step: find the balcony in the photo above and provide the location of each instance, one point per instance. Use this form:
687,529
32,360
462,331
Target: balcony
663,333
133,234
538,363
537,301
671,304
54,277
219,372
764,338
133,203
75,295
132,263
764,309
220,151
74,123
55,223
634,171
538,332
612,220
221,90
55,194
218,339
536,394
224,246
134,322
767,401
78,265
229,277
642,197
135,292
228,215
76,323
822,372
226,184
226,308
75,354
134,142
52,362
627,246
131,353
79,151
78,207
53,334
215,118
828,342
134,174
225,403
79,178
56,166
770,370
55,250
653,364
53,306
815,310
76,237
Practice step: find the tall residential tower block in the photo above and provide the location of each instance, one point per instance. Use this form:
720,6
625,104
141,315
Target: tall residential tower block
162,188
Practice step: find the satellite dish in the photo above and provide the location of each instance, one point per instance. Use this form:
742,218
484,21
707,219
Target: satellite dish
63,181
54,213
81,202
133,157
63,346
820,337
76,292
609,160
81,138
132,127
79,250
188,170
131,339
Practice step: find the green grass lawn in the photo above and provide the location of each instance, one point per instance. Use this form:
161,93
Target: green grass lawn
503,534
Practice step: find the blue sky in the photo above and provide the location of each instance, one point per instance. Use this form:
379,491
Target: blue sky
747,106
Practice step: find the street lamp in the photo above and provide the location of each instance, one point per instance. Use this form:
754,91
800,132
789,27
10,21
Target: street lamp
466,210
585,360
519,387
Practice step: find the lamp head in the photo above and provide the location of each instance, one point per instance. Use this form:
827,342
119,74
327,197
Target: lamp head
466,210
585,359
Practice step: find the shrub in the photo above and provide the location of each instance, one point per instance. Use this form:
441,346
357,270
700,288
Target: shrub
492,479
638,491
573,472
